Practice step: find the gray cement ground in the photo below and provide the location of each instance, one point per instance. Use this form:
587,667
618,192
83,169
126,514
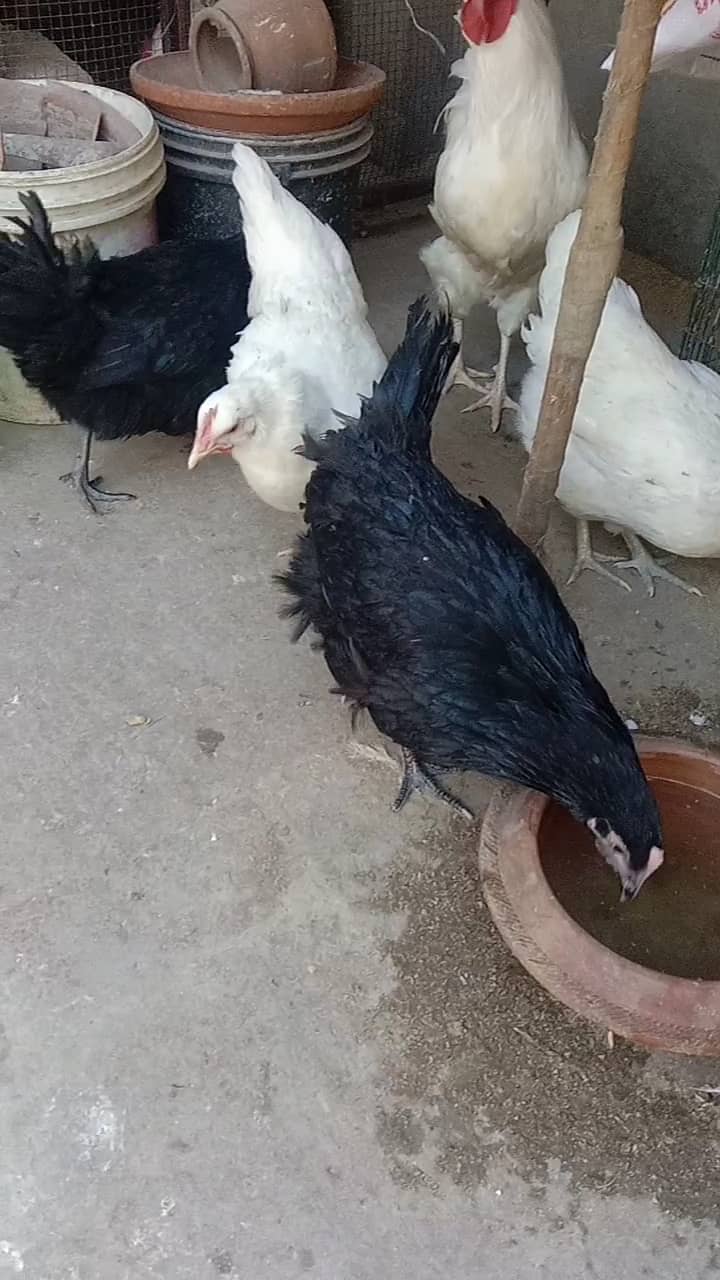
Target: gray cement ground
253,1023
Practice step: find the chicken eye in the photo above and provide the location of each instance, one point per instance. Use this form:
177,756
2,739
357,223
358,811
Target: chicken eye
243,429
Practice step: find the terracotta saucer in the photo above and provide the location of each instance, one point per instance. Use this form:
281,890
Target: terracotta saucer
655,1009
167,83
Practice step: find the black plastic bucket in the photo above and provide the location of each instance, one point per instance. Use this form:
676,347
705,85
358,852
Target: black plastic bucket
199,200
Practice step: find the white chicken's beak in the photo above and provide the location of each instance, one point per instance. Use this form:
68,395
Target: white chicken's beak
203,443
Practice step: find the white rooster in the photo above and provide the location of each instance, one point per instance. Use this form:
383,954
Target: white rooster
644,454
512,167
307,352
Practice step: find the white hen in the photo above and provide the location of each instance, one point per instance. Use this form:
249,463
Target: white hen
644,454
307,352
512,167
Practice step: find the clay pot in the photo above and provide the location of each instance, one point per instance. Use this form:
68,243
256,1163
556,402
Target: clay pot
654,1009
285,46
168,85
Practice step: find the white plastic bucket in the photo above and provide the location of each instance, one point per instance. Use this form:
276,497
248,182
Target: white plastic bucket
111,200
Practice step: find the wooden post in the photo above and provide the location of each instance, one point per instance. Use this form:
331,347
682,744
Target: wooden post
593,263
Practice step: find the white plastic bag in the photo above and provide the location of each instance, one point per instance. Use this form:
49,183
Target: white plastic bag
687,28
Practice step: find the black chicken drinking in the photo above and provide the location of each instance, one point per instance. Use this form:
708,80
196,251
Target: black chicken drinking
440,622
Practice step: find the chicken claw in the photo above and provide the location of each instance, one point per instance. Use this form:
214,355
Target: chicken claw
92,490
648,568
496,399
415,778
473,379
588,559
460,375
495,396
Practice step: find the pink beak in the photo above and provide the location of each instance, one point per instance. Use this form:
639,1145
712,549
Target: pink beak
203,445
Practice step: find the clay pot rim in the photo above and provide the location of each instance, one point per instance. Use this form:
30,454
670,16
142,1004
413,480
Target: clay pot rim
252,112
657,1010
216,16
315,33
271,102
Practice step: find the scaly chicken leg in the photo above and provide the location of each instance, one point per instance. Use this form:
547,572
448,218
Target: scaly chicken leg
460,375
644,564
641,561
588,559
494,396
415,778
91,490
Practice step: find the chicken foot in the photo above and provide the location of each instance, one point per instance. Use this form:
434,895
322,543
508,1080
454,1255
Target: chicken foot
495,395
473,379
588,559
416,778
646,566
641,561
91,490
460,375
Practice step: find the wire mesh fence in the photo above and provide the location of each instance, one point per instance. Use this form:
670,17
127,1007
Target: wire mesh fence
103,37
406,144
701,340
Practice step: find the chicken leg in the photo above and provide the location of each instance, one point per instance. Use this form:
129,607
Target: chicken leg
91,490
588,559
495,395
415,778
644,564
460,375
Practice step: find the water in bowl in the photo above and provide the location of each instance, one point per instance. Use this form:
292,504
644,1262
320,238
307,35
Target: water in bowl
674,924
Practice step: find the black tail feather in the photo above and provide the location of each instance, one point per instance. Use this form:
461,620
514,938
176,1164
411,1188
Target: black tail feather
402,405
418,371
39,229
35,239
398,416
44,318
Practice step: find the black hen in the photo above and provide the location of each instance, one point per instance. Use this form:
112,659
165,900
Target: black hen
435,617
125,346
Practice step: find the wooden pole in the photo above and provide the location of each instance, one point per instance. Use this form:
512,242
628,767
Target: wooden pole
593,263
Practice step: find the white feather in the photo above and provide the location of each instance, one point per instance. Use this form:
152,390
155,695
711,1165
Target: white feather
512,167
644,452
308,349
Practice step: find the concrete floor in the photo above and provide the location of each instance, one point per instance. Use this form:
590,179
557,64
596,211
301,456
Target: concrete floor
253,1023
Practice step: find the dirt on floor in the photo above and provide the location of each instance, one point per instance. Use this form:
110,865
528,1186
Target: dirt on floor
254,1023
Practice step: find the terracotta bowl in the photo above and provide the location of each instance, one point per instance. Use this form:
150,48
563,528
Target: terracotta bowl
273,45
648,970
167,83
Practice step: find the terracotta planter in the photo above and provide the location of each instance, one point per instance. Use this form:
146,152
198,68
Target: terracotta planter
285,46
654,1009
168,84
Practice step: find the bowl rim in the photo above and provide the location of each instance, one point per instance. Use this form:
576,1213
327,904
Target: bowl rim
150,88
655,1009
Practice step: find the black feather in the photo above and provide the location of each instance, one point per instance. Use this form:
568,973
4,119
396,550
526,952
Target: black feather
399,412
440,621
125,346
